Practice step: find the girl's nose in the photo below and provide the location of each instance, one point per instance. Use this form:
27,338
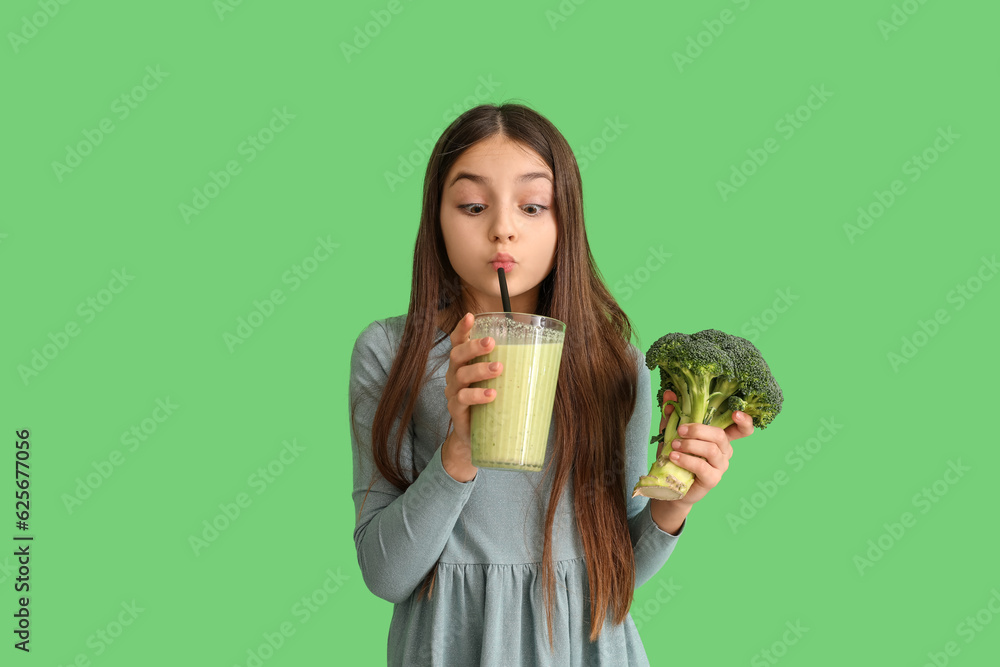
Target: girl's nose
503,225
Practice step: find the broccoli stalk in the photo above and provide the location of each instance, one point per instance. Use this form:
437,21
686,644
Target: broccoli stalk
712,374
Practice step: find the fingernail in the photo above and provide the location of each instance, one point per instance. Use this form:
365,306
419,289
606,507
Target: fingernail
675,456
683,430
495,366
739,415
676,444
486,342
490,392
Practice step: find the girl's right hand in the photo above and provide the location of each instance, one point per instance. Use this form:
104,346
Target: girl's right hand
457,450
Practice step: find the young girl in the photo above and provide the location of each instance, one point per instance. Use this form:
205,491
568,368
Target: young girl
498,567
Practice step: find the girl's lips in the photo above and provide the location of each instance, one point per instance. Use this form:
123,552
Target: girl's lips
507,266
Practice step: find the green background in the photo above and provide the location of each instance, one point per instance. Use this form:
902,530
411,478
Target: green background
831,306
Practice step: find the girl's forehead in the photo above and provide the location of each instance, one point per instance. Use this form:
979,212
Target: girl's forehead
488,152
493,173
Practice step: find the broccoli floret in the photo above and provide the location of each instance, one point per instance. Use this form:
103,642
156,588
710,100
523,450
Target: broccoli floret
754,382
689,366
712,374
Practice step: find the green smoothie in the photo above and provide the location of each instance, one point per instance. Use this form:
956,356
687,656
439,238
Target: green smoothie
512,430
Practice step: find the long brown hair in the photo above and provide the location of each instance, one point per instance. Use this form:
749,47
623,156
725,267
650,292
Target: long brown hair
597,377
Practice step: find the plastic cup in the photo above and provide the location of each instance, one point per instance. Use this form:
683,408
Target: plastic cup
512,430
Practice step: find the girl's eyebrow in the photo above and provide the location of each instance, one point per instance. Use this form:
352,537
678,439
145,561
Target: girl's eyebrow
483,180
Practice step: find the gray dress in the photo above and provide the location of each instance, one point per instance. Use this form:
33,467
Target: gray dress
487,607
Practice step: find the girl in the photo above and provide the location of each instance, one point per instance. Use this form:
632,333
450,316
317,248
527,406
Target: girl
497,567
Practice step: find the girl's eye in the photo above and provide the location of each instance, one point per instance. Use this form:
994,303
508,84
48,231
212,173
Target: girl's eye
538,208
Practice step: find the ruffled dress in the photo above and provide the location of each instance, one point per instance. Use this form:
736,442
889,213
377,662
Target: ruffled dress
487,607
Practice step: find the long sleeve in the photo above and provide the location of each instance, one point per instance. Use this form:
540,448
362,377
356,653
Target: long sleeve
399,535
652,545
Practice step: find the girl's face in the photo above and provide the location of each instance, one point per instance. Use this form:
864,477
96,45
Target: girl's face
498,199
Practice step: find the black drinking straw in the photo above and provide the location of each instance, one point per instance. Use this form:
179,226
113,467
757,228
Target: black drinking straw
503,290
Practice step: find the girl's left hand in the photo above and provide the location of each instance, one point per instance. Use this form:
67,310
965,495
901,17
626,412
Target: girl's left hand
711,443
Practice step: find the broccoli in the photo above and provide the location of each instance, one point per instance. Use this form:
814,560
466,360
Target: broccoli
712,373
